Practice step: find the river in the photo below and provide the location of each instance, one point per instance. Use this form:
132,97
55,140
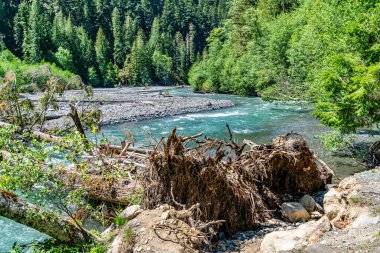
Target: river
251,118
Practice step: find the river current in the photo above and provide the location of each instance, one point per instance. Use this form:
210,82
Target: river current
250,118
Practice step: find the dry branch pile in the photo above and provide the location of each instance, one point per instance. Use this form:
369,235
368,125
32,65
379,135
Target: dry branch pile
242,188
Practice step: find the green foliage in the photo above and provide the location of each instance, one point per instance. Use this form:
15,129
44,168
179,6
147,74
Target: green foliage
52,246
102,50
163,65
33,77
324,51
334,141
120,221
357,200
93,78
128,234
64,58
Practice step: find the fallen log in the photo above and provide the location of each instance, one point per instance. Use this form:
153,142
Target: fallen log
117,150
105,149
242,188
40,135
109,189
46,222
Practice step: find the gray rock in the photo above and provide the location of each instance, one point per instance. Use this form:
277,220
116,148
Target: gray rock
308,203
131,212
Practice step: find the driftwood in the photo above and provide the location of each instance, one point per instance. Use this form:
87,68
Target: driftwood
242,188
46,222
39,135
117,150
109,189
104,149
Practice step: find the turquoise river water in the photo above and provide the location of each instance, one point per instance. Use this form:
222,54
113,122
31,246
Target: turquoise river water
250,118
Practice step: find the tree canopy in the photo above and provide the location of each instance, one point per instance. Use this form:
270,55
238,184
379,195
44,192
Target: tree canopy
96,37
324,51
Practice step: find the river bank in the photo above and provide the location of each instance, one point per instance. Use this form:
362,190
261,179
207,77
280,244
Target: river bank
120,105
351,222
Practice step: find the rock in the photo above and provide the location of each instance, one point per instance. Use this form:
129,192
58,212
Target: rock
316,215
364,221
119,244
333,204
308,203
295,239
353,208
131,212
294,211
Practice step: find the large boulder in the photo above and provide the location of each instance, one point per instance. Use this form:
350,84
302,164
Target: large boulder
295,212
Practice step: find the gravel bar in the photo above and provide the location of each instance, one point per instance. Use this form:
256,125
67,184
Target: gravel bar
119,105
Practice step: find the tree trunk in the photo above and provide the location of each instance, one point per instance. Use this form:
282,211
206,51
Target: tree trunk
113,190
46,222
78,124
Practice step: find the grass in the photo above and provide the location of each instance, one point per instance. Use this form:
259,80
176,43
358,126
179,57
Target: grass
129,234
357,200
120,221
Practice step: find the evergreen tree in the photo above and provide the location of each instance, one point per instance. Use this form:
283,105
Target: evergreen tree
21,25
85,52
32,47
102,50
190,46
41,28
180,58
130,29
155,33
118,48
140,61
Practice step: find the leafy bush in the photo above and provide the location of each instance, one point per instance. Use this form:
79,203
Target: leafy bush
33,77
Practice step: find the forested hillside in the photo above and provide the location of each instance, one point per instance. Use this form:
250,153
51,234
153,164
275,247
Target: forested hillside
281,48
322,50
107,43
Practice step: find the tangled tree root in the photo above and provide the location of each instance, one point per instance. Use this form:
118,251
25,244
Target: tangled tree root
243,188
372,159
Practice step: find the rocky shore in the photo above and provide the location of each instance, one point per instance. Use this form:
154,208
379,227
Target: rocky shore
348,221
119,105
351,222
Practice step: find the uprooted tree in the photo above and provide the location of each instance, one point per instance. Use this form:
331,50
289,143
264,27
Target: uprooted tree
241,188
